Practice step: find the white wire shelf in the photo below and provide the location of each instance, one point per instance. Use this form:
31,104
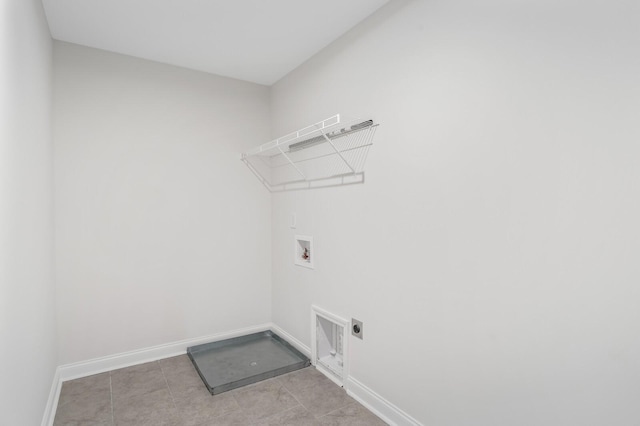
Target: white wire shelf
332,152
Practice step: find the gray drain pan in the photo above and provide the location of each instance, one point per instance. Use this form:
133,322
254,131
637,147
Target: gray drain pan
240,361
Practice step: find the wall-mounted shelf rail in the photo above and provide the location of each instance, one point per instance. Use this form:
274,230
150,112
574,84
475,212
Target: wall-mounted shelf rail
331,152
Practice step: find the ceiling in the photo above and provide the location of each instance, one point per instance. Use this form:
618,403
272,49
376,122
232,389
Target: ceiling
253,40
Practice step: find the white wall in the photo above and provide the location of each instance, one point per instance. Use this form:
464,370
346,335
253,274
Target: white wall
27,315
162,234
493,251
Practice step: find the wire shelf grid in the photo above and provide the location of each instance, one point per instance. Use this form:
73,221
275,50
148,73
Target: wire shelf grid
332,152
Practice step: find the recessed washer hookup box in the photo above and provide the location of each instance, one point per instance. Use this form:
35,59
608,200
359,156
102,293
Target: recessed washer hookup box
240,361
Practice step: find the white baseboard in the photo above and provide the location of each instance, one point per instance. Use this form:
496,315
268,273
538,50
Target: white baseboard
126,359
52,402
289,338
378,405
154,353
358,391
367,397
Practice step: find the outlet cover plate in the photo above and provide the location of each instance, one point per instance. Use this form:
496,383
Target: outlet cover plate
356,328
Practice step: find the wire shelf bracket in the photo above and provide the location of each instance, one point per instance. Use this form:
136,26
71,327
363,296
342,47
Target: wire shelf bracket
332,152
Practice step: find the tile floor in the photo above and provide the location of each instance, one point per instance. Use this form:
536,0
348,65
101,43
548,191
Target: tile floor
170,392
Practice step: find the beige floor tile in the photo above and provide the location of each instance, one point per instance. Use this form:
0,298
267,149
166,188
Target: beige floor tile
301,379
84,411
137,380
264,399
297,416
235,418
170,393
178,381
85,401
323,398
151,408
177,365
96,384
351,415
197,406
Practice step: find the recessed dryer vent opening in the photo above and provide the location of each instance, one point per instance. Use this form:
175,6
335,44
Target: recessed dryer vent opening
232,363
329,344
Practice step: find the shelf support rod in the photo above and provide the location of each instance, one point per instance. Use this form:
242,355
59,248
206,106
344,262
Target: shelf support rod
258,175
292,163
338,152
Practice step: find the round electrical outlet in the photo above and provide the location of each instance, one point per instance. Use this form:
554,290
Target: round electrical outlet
356,328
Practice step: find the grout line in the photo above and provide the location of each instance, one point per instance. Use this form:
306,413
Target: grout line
236,400
296,398
113,420
284,411
164,376
337,409
309,385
